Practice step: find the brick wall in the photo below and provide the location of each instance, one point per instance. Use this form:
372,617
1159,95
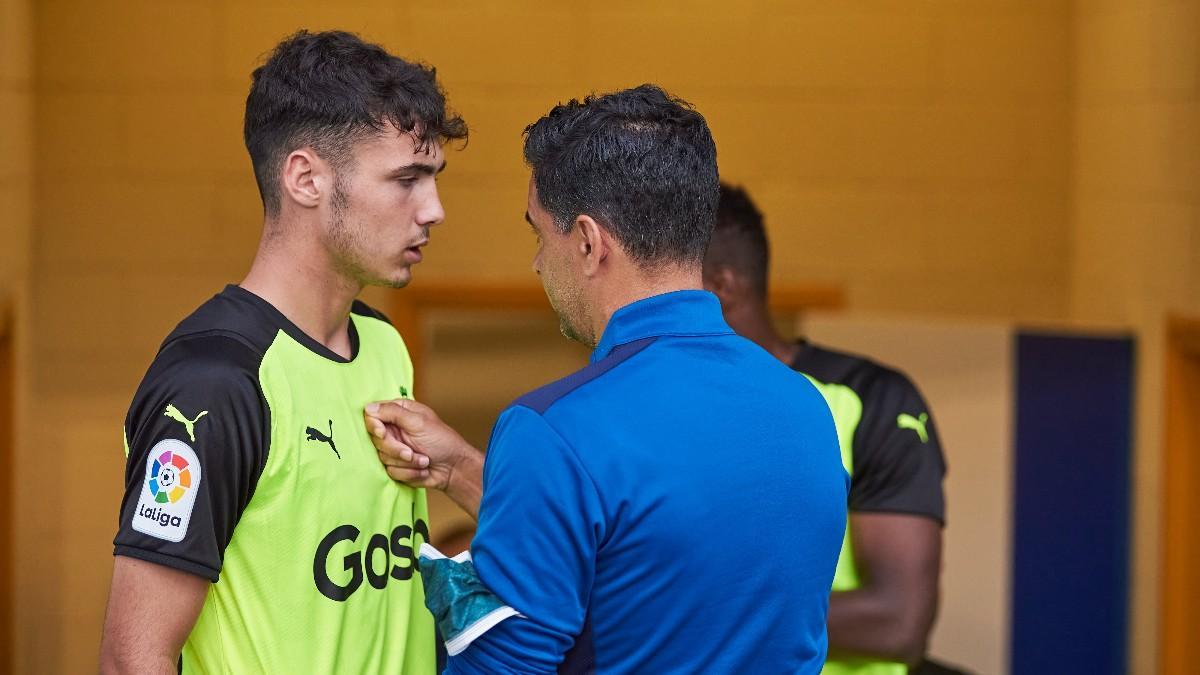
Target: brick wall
918,153
16,133
1136,225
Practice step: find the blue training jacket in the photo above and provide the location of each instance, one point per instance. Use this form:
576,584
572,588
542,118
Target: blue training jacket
675,507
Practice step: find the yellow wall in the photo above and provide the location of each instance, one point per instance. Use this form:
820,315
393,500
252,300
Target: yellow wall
920,153
915,152
1136,223
16,133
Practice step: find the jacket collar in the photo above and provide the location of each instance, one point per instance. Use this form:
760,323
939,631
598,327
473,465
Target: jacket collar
678,313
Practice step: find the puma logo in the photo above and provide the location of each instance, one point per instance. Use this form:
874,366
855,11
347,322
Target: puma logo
189,425
917,424
316,435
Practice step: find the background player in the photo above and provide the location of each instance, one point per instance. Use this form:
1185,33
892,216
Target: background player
885,593
258,533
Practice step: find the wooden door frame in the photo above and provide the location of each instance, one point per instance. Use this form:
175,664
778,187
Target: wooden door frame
411,307
7,466
1180,589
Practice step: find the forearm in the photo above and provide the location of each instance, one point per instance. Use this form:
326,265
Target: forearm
112,663
868,623
465,483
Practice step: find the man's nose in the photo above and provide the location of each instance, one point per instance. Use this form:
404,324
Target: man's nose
431,212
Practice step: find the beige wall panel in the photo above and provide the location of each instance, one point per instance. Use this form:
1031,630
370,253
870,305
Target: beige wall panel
965,373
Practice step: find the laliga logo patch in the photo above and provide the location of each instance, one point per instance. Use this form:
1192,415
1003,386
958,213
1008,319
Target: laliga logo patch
169,491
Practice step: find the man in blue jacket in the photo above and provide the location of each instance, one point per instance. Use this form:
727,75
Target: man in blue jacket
678,505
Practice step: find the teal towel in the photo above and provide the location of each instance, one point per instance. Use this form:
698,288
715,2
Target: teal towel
462,606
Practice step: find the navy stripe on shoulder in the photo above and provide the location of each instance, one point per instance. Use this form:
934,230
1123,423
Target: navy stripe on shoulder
540,400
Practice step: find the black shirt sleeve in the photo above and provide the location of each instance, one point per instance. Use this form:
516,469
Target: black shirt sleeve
197,436
897,456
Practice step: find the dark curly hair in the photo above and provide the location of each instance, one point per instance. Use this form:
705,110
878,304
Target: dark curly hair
639,161
328,90
739,238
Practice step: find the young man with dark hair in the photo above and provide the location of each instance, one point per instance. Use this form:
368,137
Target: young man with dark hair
677,505
886,588
257,533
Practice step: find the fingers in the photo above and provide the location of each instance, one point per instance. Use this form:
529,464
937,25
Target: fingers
393,450
403,457
413,477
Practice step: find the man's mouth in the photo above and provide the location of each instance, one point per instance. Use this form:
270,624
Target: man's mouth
412,254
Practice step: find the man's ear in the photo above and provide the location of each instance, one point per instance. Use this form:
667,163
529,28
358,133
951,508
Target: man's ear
725,283
303,177
592,243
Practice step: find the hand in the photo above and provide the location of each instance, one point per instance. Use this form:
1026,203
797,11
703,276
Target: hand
399,459
419,449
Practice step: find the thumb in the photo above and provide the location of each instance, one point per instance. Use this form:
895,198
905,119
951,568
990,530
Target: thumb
404,413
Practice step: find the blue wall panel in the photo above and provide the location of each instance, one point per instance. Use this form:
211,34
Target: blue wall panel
1071,526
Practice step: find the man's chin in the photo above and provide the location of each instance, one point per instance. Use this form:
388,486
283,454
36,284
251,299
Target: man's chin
401,277
395,280
571,334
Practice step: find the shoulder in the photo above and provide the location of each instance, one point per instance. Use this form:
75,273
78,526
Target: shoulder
540,400
206,358
234,314
208,371
866,376
216,349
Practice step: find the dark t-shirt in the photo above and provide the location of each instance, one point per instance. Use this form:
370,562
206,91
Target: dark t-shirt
895,456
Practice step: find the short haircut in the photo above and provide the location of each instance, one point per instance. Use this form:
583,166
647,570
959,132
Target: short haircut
739,238
640,162
327,91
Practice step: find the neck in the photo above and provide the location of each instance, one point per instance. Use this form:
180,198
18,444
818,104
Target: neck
753,322
639,285
296,276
